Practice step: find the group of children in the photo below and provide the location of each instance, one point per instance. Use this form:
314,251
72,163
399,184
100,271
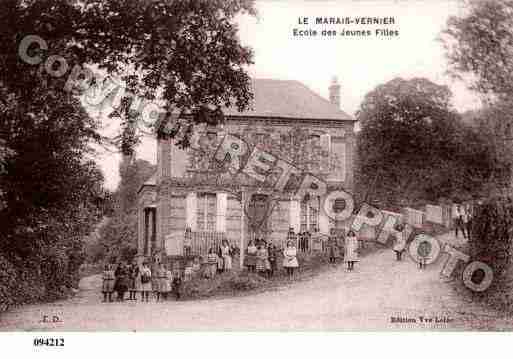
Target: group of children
163,281
139,279
345,246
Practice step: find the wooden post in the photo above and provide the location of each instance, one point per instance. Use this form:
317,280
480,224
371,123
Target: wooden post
241,247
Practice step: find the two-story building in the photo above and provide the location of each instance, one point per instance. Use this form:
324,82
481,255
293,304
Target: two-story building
287,119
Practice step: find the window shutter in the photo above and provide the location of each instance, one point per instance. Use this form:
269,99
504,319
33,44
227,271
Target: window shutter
222,203
191,204
339,158
325,141
295,215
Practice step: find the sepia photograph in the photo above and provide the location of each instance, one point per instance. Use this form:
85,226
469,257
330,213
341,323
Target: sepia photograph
265,166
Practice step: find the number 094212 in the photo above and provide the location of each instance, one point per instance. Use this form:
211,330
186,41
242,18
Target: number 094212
49,342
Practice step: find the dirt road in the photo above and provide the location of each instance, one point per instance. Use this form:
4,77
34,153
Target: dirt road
378,290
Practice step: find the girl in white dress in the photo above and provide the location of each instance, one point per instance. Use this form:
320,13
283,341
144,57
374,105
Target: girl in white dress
290,258
351,250
400,243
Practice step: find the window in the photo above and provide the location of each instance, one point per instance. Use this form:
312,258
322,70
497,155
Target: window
309,215
206,212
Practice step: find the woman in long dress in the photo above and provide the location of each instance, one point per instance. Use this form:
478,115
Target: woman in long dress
161,281
351,250
227,258
290,258
333,249
122,280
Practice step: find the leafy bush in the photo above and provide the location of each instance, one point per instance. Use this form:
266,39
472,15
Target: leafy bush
223,284
491,243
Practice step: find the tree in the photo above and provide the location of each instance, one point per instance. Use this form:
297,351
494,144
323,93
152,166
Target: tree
184,55
412,146
480,46
118,236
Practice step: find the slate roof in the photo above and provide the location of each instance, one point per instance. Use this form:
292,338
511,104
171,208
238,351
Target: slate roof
288,99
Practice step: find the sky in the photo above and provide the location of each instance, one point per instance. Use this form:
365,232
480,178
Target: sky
359,63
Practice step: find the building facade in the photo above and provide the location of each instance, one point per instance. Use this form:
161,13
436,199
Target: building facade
189,190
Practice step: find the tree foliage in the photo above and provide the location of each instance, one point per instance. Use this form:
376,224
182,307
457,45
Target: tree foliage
412,146
480,46
184,55
118,236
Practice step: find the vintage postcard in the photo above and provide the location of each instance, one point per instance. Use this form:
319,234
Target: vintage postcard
239,165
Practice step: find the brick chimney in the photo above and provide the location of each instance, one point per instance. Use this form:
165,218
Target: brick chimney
335,92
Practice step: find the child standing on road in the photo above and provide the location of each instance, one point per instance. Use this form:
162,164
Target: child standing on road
400,243
290,258
211,264
145,279
262,264
108,283
161,281
351,250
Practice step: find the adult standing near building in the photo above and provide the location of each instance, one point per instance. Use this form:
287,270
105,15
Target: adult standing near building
351,250
308,237
273,259
226,254
121,285
145,279
333,249
290,258
458,221
467,220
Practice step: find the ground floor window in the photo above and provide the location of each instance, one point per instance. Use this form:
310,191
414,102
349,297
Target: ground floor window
206,212
309,215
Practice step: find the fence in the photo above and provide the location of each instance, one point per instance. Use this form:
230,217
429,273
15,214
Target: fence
201,242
